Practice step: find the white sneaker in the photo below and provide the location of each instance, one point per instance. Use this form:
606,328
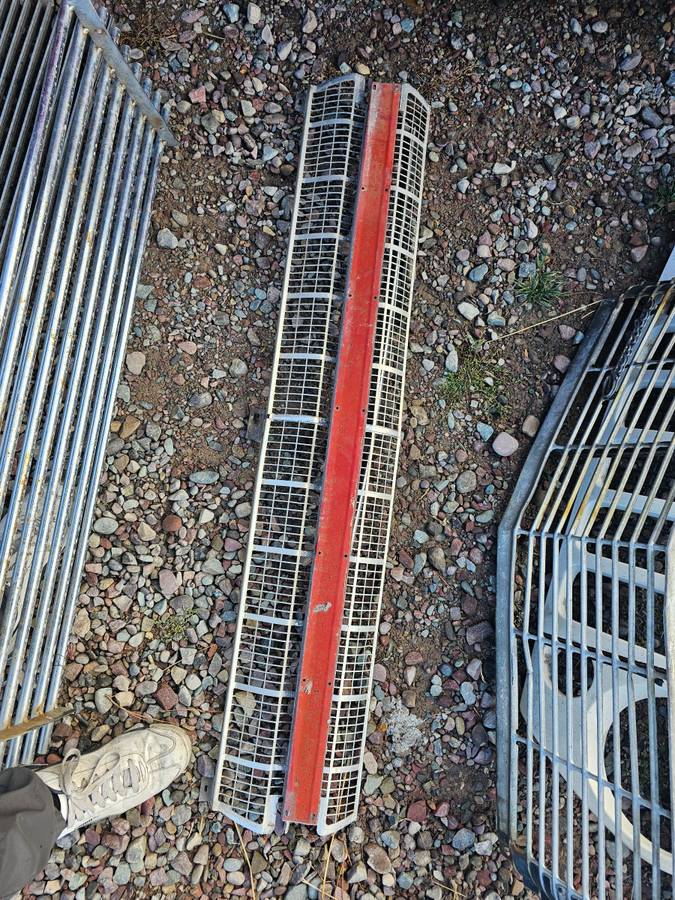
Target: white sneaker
124,773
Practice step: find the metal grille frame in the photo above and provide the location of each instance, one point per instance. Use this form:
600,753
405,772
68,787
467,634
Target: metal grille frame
350,706
260,745
585,623
251,768
80,144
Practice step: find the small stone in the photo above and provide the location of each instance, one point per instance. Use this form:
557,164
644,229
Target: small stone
628,63
637,254
122,874
247,109
309,23
171,524
437,558
103,701
503,168
124,699
253,13
463,840
135,362
530,426
82,623
369,763
417,811
553,161
379,672
357,873
504,444
181,814
212,566
130,426
198,95
181,863
201,858
168,583
105,525
451,360
166,697
135,853
284,49
485,431
561,363
231,10
482,631
478,273
201,400
466,482
468,310
238,368
467,692
378,859
166,239
146,533
205,476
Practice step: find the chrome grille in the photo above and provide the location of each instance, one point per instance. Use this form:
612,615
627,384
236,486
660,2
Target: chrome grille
80,147
585,620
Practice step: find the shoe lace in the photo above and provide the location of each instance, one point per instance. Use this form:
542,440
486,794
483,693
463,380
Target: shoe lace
109,781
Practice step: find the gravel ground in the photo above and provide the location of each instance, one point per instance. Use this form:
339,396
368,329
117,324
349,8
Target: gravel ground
550,133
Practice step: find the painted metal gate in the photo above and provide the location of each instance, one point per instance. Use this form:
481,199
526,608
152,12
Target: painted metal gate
586,626
80,145
296,713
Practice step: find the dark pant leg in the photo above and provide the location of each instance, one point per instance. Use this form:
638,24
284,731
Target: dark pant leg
29,826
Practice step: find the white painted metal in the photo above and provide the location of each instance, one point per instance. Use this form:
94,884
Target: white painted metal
251,768
358,641
589,785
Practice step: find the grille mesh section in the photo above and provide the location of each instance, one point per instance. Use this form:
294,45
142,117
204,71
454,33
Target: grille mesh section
587,553
79,151
358,639
258,711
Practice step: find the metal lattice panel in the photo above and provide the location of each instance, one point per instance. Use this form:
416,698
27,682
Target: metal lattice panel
80,144
358,638
258,712
585,620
